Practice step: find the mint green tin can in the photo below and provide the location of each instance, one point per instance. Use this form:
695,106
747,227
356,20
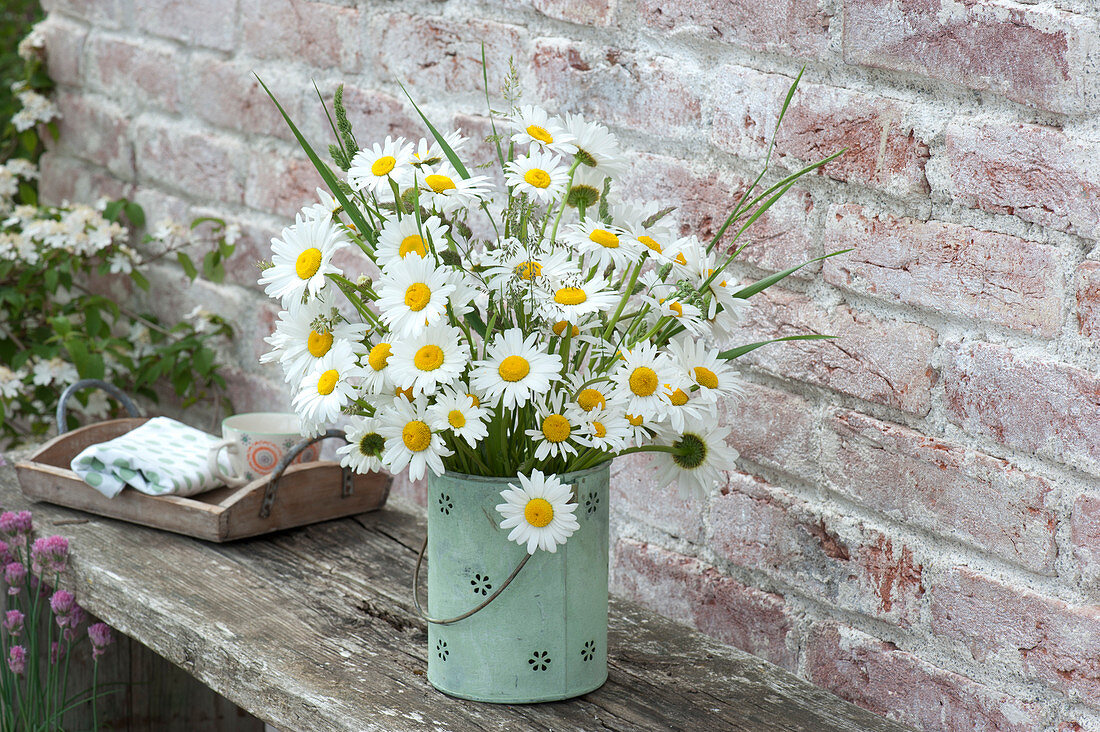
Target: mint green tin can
544,637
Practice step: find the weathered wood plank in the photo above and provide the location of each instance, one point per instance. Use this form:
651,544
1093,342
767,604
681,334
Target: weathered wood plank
313,629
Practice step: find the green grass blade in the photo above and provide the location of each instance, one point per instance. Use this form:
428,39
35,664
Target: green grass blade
352,211
742,350
450,153
760,285
489,106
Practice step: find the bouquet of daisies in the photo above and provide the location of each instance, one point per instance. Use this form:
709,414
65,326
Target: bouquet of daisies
528,330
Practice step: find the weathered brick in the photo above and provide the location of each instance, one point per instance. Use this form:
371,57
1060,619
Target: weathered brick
375,115
147,72
873,359
703,197
226,94
946,267
65,178
210,23
96,129
582,12
438,54
281,183
943,487
250,392
635,497
316,33
774,428
884,151
1034,55
762,527
64,49
1050,640
687,590
799,27
878,676
1088,299
1041,406
103,13
655,94
187,158
1038,174
1085,536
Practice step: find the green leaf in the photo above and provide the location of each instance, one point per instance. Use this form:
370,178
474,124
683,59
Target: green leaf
136,214
204,219
352,211
451,155
61,325
188,266
28,194
742,350
139,279
113,209
760,285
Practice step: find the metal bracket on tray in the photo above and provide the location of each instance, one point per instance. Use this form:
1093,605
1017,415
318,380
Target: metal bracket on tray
86,384
346,483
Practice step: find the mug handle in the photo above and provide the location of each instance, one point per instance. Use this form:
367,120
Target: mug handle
232,448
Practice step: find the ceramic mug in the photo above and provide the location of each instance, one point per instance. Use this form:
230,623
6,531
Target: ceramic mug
256,442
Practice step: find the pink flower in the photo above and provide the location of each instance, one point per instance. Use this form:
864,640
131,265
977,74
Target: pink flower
50,554
15,525
15,575
5,553
17,660
56,652
62,604
13,622
100,636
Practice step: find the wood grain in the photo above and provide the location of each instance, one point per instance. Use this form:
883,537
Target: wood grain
313,629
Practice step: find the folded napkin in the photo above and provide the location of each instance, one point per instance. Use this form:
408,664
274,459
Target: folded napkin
161,457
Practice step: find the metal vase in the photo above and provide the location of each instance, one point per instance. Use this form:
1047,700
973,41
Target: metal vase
545,637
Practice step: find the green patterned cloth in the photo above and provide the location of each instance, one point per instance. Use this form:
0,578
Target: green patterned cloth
161,457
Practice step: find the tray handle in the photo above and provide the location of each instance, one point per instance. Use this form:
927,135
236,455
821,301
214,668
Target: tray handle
86,384
346,482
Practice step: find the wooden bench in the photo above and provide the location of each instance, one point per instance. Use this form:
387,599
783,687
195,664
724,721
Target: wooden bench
313,629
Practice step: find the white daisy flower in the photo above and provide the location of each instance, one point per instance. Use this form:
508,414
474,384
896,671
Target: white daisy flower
685,314
326,207
685,407
589,393
443,190
305,333
641,429
604,430
586,189
375,168
428,152
376,375
638,379
412,294
460,413
596,146
571,299
435,356
410,439
632,217
398,239
698,467
469,294
363,453
301,260
514,263
601,245
515,369
535,126
538,512
326,389
557,425
540,175
714,376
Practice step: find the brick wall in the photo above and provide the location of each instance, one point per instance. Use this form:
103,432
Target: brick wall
917,523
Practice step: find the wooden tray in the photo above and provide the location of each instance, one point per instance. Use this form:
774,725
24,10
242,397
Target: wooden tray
308,492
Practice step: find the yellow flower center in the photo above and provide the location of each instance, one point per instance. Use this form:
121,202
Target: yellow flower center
706,377
540,134
556,428
383,165
589,399
456,419
676,308
477,402
570,296
680,259
711,272
650,243
559,328
327,382
308,263
538,512
604,238
514,368
528,270
634,421
643,381
598,429
378,356
537,178
417,296
678,398
417,436
407,393
318,343
412,243
428,358
439,183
